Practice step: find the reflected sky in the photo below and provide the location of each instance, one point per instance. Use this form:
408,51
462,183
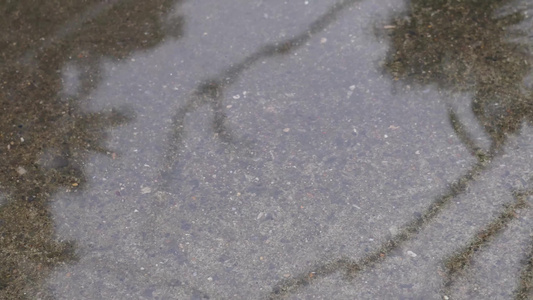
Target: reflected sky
246,151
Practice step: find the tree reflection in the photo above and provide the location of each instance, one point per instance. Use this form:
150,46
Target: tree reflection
466,46
45,137
461,46
478,47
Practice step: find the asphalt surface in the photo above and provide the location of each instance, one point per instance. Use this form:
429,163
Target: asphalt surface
266,150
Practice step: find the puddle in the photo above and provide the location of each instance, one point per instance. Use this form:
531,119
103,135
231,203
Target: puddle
267,150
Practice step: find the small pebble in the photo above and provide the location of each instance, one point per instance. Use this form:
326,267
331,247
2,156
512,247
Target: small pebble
21,171
411,253
286,130
393,230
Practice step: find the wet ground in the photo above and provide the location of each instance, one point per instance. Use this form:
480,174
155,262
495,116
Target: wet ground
266,149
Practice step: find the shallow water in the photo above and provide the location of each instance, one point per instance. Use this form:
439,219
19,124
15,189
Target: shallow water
302,150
